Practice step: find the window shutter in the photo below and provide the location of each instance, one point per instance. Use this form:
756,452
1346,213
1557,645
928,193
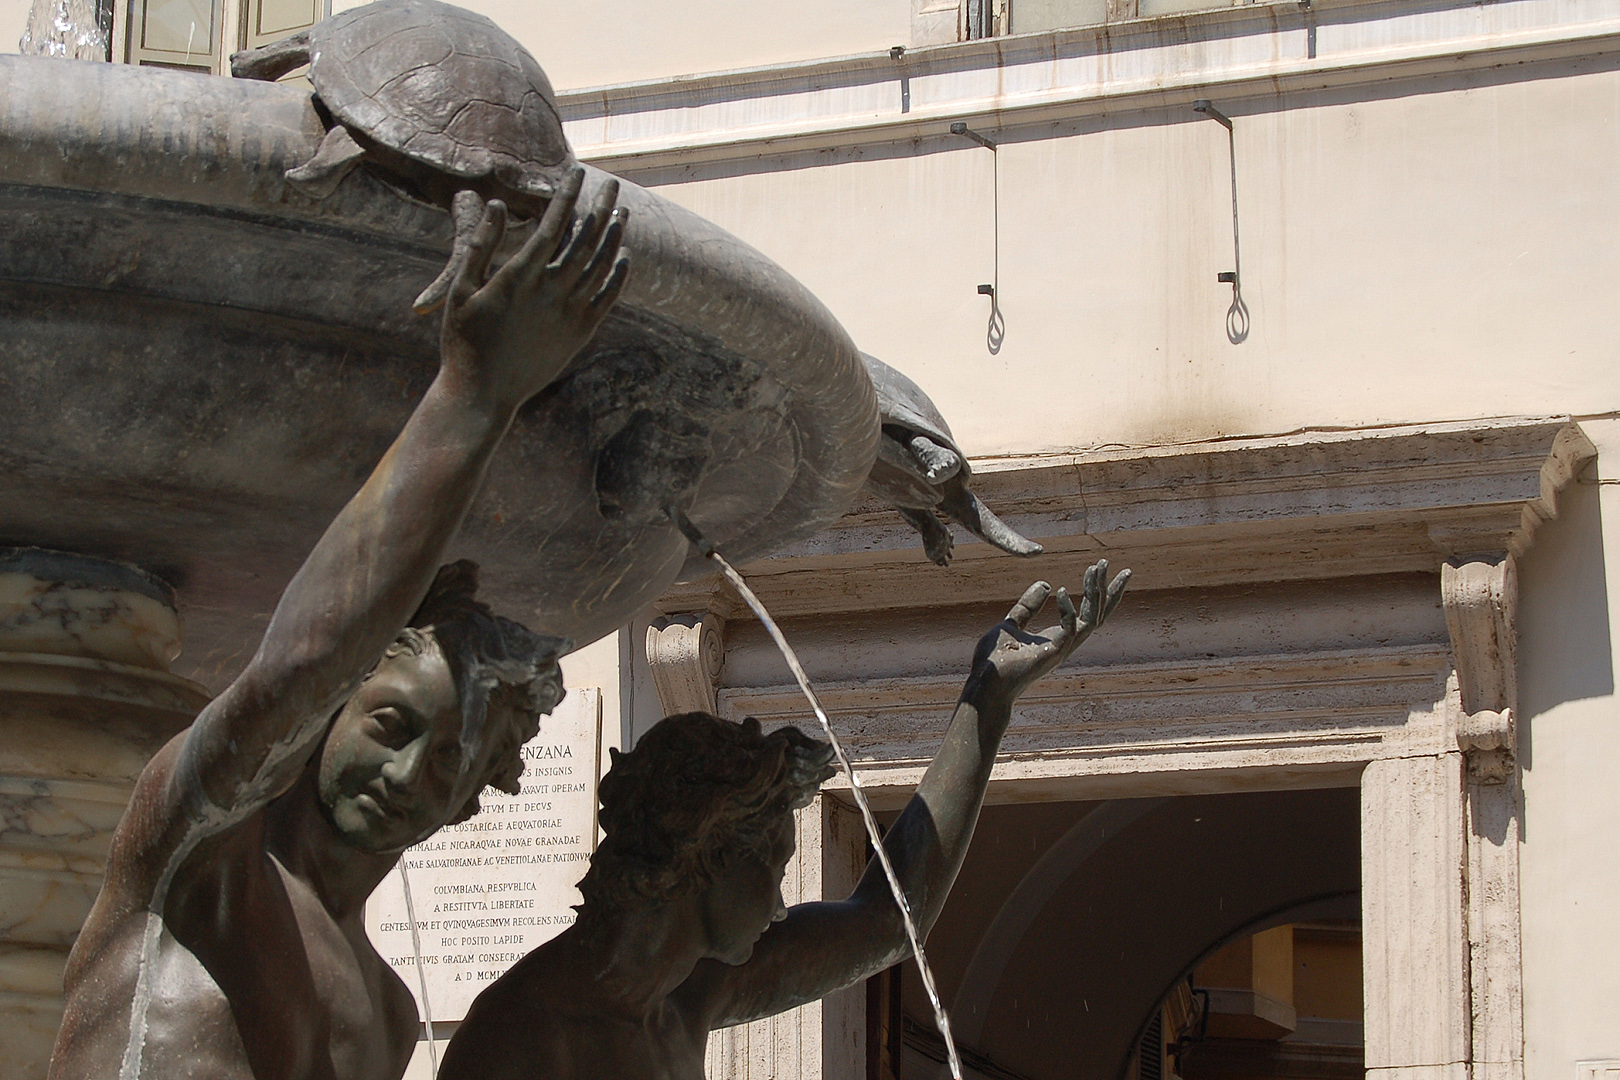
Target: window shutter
176,33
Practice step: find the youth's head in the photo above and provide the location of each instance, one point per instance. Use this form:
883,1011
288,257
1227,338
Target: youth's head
444,713
702,808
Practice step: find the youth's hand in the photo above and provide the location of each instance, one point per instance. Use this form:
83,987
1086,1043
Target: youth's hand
1010,658
509,333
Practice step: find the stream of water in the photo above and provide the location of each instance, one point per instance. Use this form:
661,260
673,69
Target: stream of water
421,973
941,1020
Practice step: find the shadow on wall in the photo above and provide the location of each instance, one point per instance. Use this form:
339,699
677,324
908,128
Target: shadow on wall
1565,652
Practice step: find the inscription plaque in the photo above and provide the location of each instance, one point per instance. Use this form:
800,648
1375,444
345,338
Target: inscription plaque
489,890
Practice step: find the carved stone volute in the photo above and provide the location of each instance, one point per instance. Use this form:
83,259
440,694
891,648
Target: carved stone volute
1481,597
685,653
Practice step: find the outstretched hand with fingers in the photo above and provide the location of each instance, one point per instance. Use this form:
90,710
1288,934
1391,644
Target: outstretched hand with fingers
1010,658
508,333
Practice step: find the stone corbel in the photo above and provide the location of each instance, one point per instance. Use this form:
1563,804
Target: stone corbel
685,653
1480,597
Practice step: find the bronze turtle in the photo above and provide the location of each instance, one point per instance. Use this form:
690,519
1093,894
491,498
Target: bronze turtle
920,468
437,100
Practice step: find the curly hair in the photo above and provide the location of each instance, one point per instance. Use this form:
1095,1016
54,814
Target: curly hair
493,661
695,795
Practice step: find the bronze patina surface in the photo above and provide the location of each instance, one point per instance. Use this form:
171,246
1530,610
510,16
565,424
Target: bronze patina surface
203,363
684,929
227,939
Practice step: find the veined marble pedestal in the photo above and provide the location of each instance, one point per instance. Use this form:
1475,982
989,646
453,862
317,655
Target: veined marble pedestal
85,699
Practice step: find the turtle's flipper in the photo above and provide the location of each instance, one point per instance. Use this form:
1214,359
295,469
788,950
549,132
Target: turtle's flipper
939,462
320,175
466,211
270,62
964,506
936,537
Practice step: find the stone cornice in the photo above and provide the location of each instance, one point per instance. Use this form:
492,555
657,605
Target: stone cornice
1303,506
1243,52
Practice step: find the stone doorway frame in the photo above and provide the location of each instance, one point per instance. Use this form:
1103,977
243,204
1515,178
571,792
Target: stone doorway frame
1425,731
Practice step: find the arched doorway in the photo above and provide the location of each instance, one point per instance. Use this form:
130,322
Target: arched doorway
1072,922
1282,1001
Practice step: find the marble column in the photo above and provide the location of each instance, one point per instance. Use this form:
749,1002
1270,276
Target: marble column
1413,919
86,698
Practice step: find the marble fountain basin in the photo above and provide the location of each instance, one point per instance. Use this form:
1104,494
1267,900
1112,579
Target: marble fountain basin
200,365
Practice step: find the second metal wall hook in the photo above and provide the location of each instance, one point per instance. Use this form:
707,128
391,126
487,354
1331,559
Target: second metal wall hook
996,329
1237,316
1204,106
960,128
898,55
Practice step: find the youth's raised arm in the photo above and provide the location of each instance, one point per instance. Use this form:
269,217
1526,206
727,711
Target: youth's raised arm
505,336
821,947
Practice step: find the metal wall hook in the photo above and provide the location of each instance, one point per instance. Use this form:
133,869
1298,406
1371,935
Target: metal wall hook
959,128
1237,316
897,53
996,330
1204,106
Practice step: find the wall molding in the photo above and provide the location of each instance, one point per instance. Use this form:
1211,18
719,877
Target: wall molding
1304,506
1480,596
1252,51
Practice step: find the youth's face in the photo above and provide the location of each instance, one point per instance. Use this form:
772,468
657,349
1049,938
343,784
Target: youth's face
390,769
741,904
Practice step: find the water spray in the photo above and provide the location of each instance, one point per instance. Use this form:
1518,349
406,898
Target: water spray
421,975
941,1020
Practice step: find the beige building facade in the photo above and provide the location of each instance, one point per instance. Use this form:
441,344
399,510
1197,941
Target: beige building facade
1363,683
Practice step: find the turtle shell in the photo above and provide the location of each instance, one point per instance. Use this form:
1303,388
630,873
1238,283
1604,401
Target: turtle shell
902,405
443,86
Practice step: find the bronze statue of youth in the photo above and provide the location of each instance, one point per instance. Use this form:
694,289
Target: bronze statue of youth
227,940
684,930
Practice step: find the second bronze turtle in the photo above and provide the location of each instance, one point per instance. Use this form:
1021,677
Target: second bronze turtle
435,99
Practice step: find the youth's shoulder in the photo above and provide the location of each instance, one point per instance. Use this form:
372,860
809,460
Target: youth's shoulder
512,1030
154,830
135,859
530,994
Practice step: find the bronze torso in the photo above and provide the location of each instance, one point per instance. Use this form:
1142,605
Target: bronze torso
245,921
